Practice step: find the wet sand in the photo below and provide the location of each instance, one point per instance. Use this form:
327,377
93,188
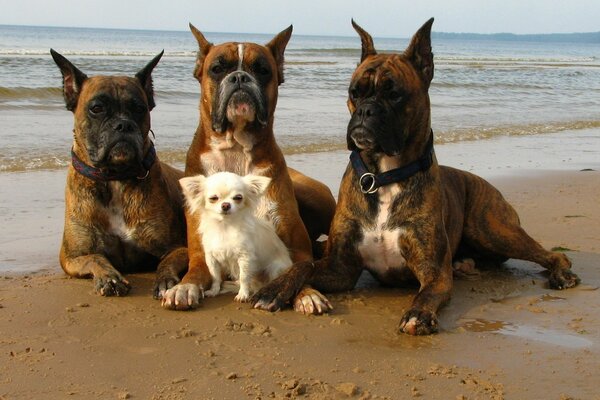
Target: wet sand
504,335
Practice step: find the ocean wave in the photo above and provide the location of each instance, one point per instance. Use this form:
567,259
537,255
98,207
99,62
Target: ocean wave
18,93
11,94
24,161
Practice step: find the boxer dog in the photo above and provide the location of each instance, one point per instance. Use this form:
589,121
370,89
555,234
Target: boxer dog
400,215
123,208
239,88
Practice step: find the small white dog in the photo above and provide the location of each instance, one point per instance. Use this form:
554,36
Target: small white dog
237,243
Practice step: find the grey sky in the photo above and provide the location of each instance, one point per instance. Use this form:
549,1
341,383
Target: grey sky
384,18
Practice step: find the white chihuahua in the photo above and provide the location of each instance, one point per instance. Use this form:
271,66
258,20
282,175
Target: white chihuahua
237,243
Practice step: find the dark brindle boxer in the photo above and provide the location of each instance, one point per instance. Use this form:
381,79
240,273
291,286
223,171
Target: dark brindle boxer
123,207
399,214
239,84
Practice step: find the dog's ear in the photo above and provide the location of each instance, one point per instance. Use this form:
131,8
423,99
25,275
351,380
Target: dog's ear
73,79
257,184
277,48
145,77
368,49
193,189
204,47
419,52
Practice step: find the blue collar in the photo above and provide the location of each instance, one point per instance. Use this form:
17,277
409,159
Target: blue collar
369,182
100,175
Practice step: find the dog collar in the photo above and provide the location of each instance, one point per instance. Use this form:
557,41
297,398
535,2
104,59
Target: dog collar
370,183
100,175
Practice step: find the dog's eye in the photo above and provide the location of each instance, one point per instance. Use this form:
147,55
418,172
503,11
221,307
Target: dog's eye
261,69
213,199
238,197
217,69
139,109
395,95
96,108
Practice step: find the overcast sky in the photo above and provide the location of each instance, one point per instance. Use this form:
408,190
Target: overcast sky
383,18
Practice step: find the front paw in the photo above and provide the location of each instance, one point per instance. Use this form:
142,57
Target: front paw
183,296
242,296
111,284
272,297
418,322
162,284
311,302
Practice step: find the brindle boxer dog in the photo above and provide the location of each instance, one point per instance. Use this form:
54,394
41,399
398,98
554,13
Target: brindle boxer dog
239,84
399,214
124,208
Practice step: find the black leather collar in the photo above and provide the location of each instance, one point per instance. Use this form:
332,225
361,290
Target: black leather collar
369,182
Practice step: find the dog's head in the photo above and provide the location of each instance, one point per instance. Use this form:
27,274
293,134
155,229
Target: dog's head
224,193
112,114
239,82
388,96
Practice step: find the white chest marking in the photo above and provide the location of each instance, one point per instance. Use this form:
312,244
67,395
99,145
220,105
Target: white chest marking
380,248
116,221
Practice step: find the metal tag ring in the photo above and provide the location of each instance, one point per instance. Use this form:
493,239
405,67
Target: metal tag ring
370,187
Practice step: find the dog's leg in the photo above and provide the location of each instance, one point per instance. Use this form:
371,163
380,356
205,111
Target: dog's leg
187,294
492,225
511,241
246,264
436,283
107,280
216,272
169,271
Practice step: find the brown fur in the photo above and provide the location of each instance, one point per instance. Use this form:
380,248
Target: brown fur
151,208
438,215
303,206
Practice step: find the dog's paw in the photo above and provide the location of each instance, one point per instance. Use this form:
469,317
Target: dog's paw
563,279
211,292
418,322
112,284
183,296
272,297
242,297
162,284
311,301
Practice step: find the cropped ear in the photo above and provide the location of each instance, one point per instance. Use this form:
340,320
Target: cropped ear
193,188
419,52
204,47
73,79
277,48
257,184
145,78
368,49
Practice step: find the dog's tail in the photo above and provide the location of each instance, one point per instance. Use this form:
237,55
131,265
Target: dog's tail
230,287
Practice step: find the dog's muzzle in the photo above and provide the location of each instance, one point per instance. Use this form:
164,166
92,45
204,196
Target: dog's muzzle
239,100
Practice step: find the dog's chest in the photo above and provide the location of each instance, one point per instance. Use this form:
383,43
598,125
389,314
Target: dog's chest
115,217
228,155
380,247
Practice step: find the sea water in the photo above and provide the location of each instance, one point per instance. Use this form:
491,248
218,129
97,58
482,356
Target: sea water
481,89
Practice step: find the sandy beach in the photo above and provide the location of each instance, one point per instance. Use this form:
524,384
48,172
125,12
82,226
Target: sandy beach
504,335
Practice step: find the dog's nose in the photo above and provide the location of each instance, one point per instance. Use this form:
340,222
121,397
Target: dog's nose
123,126
226,206
366,111
239,77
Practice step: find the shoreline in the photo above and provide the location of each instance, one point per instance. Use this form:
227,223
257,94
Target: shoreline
32,210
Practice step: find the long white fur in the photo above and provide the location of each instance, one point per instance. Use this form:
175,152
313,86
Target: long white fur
239,244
